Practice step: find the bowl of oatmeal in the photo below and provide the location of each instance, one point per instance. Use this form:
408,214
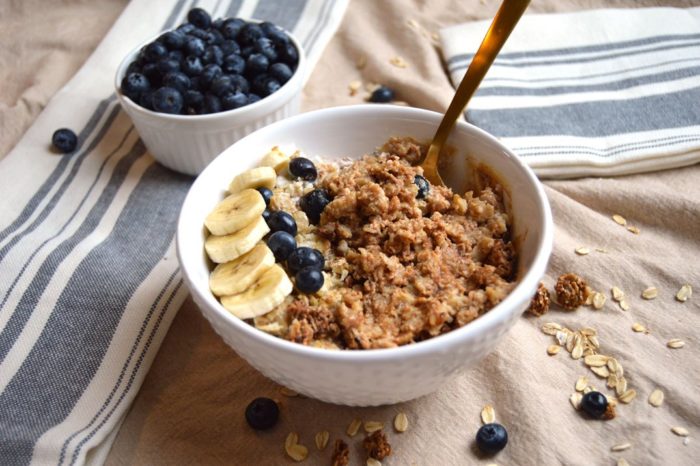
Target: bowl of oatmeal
342,273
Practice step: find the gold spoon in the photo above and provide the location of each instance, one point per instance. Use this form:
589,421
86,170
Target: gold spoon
503,23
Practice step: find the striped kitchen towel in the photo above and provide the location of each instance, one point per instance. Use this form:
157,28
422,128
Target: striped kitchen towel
594,93
90,282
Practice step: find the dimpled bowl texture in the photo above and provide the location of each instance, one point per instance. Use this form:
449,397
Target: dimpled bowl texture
188,143
380,376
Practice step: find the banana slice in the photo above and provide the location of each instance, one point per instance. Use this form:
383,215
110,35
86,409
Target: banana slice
259,177
226,248
235,212
275,159
264,295
236,276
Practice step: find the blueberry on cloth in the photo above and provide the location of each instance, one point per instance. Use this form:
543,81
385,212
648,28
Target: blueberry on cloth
303,257
282,221
423,187
309,280
301,167
313,203
491,438
64,140
281,244
594,404
167,100
134,84
262,413
199,17
382,95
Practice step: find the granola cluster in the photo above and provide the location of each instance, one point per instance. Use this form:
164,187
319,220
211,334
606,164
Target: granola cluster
540,302
377,446
341,454
571,290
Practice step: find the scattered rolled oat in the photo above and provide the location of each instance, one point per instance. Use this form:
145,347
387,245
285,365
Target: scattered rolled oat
540,302
361,62
488,414
624,304
288,392
582,251
622,462
398,62
551,328
575,400
602,250
572,291
656,398
619,219
633,229
617,293
596,360
373,462
684,293
553,349
600,371
628,396
341,454
650,293
292,439
293,449
354,86
675,343
637,327
321,439
353,427
621,447
680,431
401,422
377,445
581,383
373,426
598,300
621,389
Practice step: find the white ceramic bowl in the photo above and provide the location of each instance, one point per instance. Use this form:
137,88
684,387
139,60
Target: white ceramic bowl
381,376
188,143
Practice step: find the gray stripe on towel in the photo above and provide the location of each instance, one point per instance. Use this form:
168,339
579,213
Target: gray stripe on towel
60,366
593,119
284,14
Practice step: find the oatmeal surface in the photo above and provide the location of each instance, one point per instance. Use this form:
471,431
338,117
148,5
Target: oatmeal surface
400,269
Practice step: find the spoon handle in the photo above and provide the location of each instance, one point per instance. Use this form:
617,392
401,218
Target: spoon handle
502,25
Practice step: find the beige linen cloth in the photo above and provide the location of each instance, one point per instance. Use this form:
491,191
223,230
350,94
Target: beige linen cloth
190,408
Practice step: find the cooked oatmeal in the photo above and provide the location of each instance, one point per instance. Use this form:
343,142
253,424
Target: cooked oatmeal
399,269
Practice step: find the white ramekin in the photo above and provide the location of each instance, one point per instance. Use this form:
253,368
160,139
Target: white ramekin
187,143
382,376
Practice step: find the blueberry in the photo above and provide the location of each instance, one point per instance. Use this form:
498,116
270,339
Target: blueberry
194,101
252,98
173,40
146,100
167,100
262,413
166,65
282,221
305,257
213,37
309,280
270,86
240,83
192,66
134,84
234,64
233,99
313,203
258,82
289,54
257,63
231,27
281,244
267,195
155,51
249,34
266,47
194,46
594,404
176,55
150,70
229,47
199,18
382,95
423,187
278,36
301,167
212,104
213,54
134,67
221,85
64,140
209,74
185,28
491,438
266,214
177,80
199,33
281,72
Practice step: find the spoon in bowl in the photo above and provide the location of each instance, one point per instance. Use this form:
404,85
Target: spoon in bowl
503,23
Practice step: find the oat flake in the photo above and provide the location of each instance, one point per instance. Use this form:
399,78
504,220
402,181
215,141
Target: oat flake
619,219
581,383
637,327
633,229
582,251
373,462
624,304
621,447
684,293
628,396
575,400
656,398
553,349
601,371
398,62
401,422
373,426
596,360
488,414
650,293
288,392
680,431
297,452
292,439
622,462
354,427
321,439
551,328
598,300
617,293
675,343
